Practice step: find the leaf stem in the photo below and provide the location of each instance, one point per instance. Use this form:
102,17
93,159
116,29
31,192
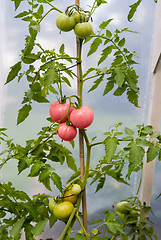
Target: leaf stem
84,230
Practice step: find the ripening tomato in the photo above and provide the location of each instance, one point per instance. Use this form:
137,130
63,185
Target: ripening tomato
83,30
79,17
67,132
68,195
58,111
52,204
82,117
76,189
64,22
63,210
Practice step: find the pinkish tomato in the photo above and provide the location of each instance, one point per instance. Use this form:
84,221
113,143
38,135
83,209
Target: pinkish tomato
58,111
82,117
67,133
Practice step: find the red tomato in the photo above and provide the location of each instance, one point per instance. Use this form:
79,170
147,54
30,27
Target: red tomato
67,133
58,111
82,117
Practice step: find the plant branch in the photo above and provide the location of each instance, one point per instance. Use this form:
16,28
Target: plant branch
84,230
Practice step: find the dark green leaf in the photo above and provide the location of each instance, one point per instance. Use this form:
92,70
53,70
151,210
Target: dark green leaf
79,236
71,162
23,113
56,180
105,52
52,220
17,3
35,170
101,183
94,46
133,9
13,72
120,90
136,153
119,76
152,152
104,24
39,228
44,174
22,14
108,33
16,228
110,147
109,87
96,83
133,97
121,43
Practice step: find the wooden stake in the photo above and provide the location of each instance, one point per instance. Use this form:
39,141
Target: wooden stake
81,145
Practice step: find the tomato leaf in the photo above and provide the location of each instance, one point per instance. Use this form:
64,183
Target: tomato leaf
133,97
71,163
17,3
104,24
110,147
13,72
23,113
105,52
94,46
39,228
152,152
119,76
16,228
96,83
79,236
121,43
109,87
133,9
56,180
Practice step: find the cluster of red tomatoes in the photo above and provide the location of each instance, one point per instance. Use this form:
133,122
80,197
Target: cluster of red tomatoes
70,119
77,21
63,207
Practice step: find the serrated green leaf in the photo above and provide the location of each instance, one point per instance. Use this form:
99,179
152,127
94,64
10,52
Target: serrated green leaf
17,3
22,14
121,43
16,228
105,52
133,9
109,87
133,97
66,81
104,24
136,153
13,72
94,46
23,113
39,228
108,33
46,182
96,83
43,174
110,147
56,180
35,170
52,220
152,152
101,183
79,236
71,163
119,76
129,131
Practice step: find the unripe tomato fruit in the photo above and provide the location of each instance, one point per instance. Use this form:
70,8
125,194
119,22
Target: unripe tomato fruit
79,17
67,133
52,204
123,207
76,189
82,117
83,30
68,195
64,22
63,210
58,111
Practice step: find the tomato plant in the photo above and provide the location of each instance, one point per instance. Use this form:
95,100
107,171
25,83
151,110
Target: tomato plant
47,73
63,210
82,117
83,29
64,22
67,132
59,112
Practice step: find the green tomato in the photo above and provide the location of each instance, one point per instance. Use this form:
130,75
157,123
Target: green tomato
76,189
123,207
64,22
52,204
83,30
63,210
79,17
